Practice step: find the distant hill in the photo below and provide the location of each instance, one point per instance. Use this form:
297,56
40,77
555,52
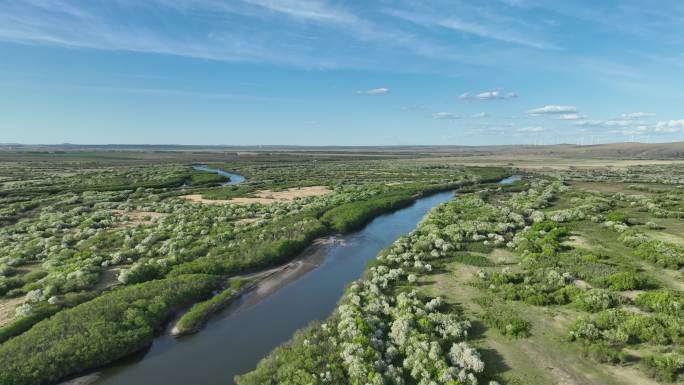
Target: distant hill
629,150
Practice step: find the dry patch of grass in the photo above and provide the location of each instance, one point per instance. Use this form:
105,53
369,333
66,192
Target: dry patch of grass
610,188
266,197
576,241
109,278
7,307
503,256
246,221
139,217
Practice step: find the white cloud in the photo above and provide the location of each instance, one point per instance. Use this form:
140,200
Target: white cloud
570,116
374,91
480,115
532,129
618,123
670,126
553,110
636,115
488,95
446,115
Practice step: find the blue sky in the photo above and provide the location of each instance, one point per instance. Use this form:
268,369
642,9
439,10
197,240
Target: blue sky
324,72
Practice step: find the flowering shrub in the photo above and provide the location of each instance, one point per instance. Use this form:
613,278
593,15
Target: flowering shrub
595,300
384,335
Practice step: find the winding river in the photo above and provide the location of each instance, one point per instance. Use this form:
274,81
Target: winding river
238,337
234,178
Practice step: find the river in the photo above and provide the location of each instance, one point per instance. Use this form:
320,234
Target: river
238,337
234,178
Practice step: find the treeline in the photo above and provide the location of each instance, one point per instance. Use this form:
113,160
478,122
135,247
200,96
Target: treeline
351,216
191,177
193,320
97,332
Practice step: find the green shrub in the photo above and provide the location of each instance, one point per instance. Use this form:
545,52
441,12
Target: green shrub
194,318
595,300
471,259
604,353
616,216
663,254
96,332
624,280
665,367
503,318
663,301
21,324
351,216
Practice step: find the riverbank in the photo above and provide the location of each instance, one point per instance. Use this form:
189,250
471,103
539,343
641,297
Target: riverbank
260,284
293,295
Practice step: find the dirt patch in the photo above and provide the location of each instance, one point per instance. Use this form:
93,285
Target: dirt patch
503,256
666,237
138,217
310,258
579,283
245,221
108,278
266,197
629,375
577,241
631,294
7,307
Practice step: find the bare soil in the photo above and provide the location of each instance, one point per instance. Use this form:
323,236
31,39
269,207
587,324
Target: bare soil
7,307
266,197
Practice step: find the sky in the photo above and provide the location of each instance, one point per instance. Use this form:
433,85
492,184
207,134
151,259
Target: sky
324,72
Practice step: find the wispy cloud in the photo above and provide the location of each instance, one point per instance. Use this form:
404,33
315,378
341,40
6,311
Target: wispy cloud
489,29
670,126
637,115
572,116
320,11
552,110
446,115
374,91
488,95
532,129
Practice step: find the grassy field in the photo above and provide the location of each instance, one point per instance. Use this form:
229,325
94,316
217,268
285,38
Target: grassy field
572,275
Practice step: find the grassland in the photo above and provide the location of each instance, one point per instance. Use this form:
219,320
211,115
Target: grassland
81,231
571,276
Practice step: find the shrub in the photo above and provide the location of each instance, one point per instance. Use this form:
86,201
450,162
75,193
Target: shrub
471,259
96,332
661,253
624,280
595,300
194,318
604,353
351,216
503,318
661,301
616,216
665,367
